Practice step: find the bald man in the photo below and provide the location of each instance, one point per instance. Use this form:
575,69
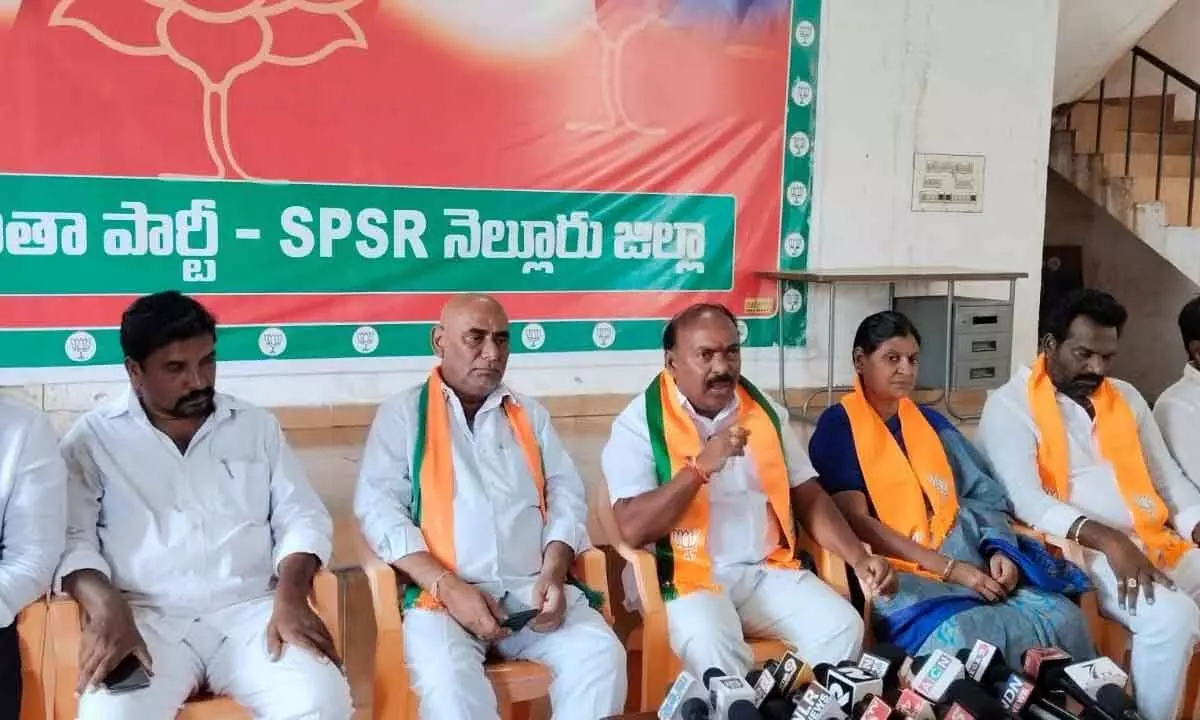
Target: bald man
466,490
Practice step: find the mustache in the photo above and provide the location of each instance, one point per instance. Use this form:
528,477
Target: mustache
204,395
722,378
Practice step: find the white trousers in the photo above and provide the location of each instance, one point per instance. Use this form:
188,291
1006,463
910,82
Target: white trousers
232,654
1164,634
585,658
794,606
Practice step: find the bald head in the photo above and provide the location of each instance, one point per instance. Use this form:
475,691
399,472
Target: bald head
472,341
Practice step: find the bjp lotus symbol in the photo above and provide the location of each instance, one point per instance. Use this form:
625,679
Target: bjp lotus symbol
327,26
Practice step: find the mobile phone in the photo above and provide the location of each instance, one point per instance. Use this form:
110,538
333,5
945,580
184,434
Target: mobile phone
518,620
127,676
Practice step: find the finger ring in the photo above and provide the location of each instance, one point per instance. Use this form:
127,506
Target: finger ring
1131,582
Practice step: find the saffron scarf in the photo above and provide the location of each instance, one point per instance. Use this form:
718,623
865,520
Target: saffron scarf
900,486
683,559
1117,435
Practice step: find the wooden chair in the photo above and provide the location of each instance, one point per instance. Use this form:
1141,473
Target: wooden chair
516,682
36,689
649,646
62,658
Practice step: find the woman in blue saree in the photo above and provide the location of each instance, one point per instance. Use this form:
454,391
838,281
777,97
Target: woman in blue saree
917,492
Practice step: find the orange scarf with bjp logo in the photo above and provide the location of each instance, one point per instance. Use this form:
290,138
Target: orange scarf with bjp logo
683,559
1117,435
900,485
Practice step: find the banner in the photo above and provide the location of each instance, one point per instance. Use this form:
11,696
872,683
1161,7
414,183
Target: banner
323,174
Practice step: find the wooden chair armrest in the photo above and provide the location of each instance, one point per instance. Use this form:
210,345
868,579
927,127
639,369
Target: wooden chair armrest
391,689
591,568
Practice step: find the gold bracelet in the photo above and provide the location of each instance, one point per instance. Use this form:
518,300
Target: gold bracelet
433,587
949,569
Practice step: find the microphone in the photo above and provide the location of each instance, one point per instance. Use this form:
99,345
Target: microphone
872,707
817,704
848,684
1083,682
979,660
935,674
1014,692
684,687
742,710
968,701
912,705
693,709
790,673
1115,703
1039,664
777,708
724,690
890,663
764,683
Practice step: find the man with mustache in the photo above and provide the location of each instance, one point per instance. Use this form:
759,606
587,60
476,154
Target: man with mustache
705,469
1082,457
466,489
193,538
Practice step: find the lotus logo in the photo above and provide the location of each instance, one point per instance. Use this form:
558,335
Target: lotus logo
940,484
687,541
1145,503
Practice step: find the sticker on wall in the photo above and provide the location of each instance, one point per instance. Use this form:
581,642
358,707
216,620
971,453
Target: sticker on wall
533,336
743,331
793,301
799,144
366,340
272,342
80,346
806,33
797,193
604,335
793,245
802,93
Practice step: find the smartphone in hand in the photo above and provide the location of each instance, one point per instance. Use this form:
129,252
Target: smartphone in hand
518,620
128,675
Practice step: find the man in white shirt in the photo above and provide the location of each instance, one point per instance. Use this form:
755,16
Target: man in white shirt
193,538
33,495
1177,409
1082,457
707,469
467,491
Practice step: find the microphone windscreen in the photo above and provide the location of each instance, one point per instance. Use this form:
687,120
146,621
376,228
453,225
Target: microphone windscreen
777,709
821,672
971,696
753,676
1113,700
694,709
711,673
743,710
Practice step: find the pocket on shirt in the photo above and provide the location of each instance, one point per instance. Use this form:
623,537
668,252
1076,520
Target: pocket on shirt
246,492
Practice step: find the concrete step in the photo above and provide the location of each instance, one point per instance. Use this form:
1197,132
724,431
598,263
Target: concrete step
1174,196
1139,142
1145,165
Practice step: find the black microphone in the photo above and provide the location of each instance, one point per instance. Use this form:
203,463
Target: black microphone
969,701
777,708
1083,681
742,710
1113,701
685,686
724,690
892,665
694,709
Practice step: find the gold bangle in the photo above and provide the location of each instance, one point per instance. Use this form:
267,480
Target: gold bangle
949,569
433,586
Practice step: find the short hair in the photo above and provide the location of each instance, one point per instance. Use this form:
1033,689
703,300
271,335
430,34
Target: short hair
688,315
877,329
1095,305
155,321
1189,322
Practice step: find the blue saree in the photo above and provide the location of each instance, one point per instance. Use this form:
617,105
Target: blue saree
926,615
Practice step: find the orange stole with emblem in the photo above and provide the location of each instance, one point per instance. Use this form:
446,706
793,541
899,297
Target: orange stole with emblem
915,495
1117,434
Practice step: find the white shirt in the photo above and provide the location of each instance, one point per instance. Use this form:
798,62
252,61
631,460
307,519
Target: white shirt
183,535
740,518
1178,414
499,533
1009,438
33,494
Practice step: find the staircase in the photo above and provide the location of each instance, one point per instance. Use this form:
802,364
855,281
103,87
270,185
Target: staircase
1133,156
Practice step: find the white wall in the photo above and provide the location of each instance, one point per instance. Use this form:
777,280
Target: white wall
1094,34
1173,39
897,76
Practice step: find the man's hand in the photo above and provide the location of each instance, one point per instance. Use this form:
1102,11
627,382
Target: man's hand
109,636
876,576
293,621
1004,571
721,447
1134,571
475,610
549,599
